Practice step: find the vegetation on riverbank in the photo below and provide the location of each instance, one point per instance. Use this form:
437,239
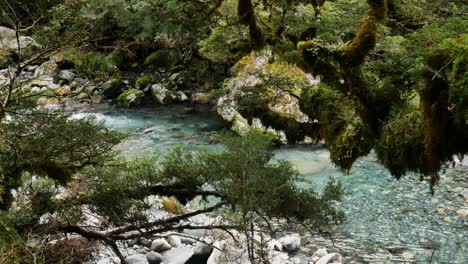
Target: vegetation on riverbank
383,75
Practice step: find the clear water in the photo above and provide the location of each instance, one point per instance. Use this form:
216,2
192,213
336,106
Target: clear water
388,219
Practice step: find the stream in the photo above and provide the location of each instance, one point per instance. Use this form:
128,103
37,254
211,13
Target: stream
389,220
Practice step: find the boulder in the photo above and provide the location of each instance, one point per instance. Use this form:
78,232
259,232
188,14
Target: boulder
161,59
48,69
130,97
111,88
82,96
217,253
9,45
291,242
154,258
200,98
181,96
63,91
144,81
201,253
174,241
177,255
67,75
320,252
279,107
160,245
137,259
96,99
160,93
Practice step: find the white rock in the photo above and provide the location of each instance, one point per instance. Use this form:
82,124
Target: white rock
330,257
160,245
275,245
320,252
67,75
177,255
174,241
53,86
35,89
462,212
217,253
407,255
137,259
116,260
291,242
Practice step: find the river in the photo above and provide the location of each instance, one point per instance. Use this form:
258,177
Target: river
389,220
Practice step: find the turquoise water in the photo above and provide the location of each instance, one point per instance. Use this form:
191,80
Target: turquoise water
388,220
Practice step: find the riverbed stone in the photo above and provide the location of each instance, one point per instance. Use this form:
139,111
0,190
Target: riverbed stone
111,88
130,97
462,213
154,258
291,242
201,253
177,255
48,68
159,93
160,245
67,75
174,241
321,252
137,259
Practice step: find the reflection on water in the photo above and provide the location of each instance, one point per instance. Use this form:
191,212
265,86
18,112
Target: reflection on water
387,219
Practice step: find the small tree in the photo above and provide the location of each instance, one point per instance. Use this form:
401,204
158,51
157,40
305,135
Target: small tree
240,181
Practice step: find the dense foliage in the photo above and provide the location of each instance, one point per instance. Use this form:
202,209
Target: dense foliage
388,76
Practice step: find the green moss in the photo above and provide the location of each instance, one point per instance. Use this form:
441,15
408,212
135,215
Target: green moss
378,8
161,59
400,147
364,42
130,97
144,81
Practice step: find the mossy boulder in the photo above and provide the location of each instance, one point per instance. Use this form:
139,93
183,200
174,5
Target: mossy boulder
130,97
161,59
201,98
160,94
115,59
265,92
144,81
111,88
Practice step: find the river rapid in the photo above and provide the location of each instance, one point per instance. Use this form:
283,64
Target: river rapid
389,220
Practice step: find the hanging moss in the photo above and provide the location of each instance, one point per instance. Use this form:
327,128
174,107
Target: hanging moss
400,147
353,141
342,129
364,42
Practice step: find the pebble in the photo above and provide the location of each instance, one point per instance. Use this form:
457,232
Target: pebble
440,211
462,212
407,255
